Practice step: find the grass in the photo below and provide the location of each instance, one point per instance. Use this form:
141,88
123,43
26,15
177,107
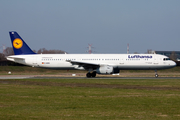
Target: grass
90,99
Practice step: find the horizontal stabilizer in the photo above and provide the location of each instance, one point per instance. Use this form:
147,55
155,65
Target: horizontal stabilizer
14,58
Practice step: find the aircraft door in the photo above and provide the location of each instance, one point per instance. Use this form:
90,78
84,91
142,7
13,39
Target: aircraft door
34,61
156,61
121,63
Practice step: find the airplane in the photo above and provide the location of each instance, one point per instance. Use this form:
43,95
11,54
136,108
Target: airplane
93,63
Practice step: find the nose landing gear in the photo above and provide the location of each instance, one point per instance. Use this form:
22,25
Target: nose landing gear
156,74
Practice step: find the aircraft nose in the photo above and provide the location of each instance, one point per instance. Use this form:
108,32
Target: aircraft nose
173,63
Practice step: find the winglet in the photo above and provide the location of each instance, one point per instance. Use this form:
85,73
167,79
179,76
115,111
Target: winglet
19,46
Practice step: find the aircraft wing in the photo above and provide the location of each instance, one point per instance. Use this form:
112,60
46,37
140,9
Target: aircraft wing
85,65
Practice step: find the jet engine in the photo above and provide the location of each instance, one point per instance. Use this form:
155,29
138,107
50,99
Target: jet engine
106,69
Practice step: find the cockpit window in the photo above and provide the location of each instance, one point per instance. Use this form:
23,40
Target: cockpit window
165,59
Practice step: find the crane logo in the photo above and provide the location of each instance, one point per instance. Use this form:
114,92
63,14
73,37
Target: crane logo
17,43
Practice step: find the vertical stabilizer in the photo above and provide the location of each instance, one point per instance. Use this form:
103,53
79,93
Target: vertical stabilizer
18,44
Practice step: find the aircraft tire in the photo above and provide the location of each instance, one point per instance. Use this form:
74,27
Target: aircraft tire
93,74
156,75
88,75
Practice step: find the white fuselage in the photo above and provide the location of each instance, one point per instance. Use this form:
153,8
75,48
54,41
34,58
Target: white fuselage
119,61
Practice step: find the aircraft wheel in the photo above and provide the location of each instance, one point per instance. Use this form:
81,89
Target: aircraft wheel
88,75
156,75
93,74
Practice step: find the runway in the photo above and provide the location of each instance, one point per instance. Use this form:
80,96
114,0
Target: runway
62,77
106,78
16,76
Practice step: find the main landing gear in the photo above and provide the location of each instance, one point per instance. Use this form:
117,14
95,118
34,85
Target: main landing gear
156,74
93,74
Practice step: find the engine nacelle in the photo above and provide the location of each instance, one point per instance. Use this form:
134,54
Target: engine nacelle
106,69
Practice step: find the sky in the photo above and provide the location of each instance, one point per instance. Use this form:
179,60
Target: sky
109,25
